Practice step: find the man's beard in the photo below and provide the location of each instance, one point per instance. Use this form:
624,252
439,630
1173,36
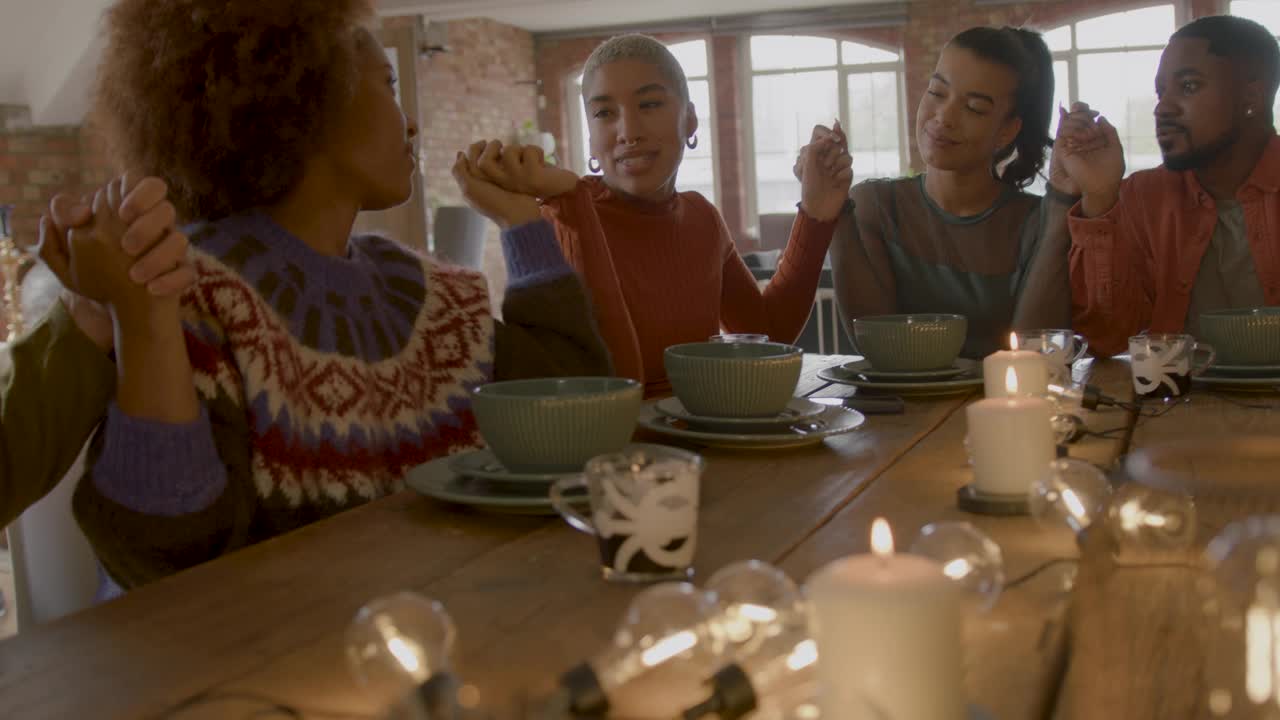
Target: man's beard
1198,157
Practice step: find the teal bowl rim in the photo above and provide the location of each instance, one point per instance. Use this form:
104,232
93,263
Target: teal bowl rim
899,318
495,389
1234,313
785,350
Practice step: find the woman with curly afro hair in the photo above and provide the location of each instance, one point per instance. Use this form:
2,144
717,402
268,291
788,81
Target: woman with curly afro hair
307,369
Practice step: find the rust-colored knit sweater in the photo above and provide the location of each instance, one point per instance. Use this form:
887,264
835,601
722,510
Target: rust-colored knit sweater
667,274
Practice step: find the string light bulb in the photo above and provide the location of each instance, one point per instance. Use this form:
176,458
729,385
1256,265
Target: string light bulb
665,623
764,621
399,647
968,556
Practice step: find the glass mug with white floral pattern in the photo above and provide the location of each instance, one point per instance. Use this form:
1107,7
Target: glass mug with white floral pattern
1164,363
643,511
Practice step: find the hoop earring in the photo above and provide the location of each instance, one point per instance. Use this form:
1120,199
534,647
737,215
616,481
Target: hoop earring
692,143
1248,112
593,165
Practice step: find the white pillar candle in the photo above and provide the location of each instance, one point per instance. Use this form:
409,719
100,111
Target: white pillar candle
1031,366
1010,440
887,628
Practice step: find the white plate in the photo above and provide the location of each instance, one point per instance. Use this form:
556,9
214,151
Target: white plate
834,420
797,410
863,368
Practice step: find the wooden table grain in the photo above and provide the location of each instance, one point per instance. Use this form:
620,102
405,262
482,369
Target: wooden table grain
526,593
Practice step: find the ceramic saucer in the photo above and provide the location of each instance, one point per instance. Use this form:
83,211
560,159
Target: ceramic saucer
863,368
1239,384
834,420
437,480
1249,371
484,464
967,382
797,410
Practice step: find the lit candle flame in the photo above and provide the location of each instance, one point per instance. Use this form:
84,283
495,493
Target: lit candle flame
1013,341
881,538
1011,381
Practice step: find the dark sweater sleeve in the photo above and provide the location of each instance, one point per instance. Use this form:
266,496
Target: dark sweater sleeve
863,278
160,498
1044,297
548,327
55,392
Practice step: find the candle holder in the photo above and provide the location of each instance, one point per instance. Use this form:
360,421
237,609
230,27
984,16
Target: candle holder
972,500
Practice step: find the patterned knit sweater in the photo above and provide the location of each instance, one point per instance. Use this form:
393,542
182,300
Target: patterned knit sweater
322,380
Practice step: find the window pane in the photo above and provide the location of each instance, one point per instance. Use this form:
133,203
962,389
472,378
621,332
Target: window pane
692,56
1148,26
784,109
1059,38
784,52
1119,85
874,125
852,53
1264,12
697,172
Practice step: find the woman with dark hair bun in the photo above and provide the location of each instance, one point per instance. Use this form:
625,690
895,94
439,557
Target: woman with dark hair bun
964,237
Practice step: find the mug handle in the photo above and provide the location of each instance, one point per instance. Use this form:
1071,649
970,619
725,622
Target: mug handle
1198,348
1084,348
565,507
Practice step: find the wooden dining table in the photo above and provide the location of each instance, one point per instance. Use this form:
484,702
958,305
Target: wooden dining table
265,626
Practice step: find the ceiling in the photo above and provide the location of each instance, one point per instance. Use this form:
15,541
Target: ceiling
49,48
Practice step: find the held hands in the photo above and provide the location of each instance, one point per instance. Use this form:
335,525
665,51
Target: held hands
507,209
76,250
1087,159
825,171
520,169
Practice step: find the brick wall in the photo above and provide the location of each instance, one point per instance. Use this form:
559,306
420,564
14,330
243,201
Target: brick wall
930,23
37,163
482,89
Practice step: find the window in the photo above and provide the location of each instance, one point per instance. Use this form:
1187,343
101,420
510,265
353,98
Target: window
1110,62
1267,14
698,171
800,81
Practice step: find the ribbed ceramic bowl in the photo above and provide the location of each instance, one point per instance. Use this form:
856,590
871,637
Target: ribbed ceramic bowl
556,424
908,343
1243,337
719,379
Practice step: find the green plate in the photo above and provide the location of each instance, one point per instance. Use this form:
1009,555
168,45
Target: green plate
484,464
834,420
797,410
863,368
1249,371
437,480
970,381
1239,384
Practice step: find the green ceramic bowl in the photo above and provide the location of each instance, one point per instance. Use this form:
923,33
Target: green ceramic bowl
909,343
553,425
1243,337
719,379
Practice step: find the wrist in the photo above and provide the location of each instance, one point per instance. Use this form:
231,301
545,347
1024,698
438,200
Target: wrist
151,318
820,214
522,212
1095,204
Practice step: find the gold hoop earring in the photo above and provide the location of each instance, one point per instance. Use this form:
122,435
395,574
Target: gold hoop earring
593,165
692,143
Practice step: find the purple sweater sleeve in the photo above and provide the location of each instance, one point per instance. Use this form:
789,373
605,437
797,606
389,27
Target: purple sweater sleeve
533,255
159,468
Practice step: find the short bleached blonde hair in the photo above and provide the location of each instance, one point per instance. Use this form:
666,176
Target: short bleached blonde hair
637,47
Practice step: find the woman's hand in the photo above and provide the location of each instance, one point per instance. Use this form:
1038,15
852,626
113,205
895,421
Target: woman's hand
825,171
504,207
520,169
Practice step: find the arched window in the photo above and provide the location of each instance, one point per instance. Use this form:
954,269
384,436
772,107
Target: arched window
800,81
698,171
1267,14
1110,62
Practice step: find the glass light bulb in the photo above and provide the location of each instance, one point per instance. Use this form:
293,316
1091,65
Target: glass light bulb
1241,604
1143,517
968,556
1071,493
398,642
755,602
664,623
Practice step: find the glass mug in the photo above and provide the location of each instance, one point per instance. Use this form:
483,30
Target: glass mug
1162,364
1061,348
643,511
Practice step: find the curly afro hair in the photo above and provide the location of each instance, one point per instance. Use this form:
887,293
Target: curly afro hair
225,99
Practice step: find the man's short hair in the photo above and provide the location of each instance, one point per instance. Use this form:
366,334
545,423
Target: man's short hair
1249,46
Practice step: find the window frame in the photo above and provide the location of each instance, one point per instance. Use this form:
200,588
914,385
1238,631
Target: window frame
843,72
577,155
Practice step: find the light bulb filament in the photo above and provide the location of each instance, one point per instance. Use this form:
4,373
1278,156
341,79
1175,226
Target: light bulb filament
957,569
758,614
668,647
1074,506
804,655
